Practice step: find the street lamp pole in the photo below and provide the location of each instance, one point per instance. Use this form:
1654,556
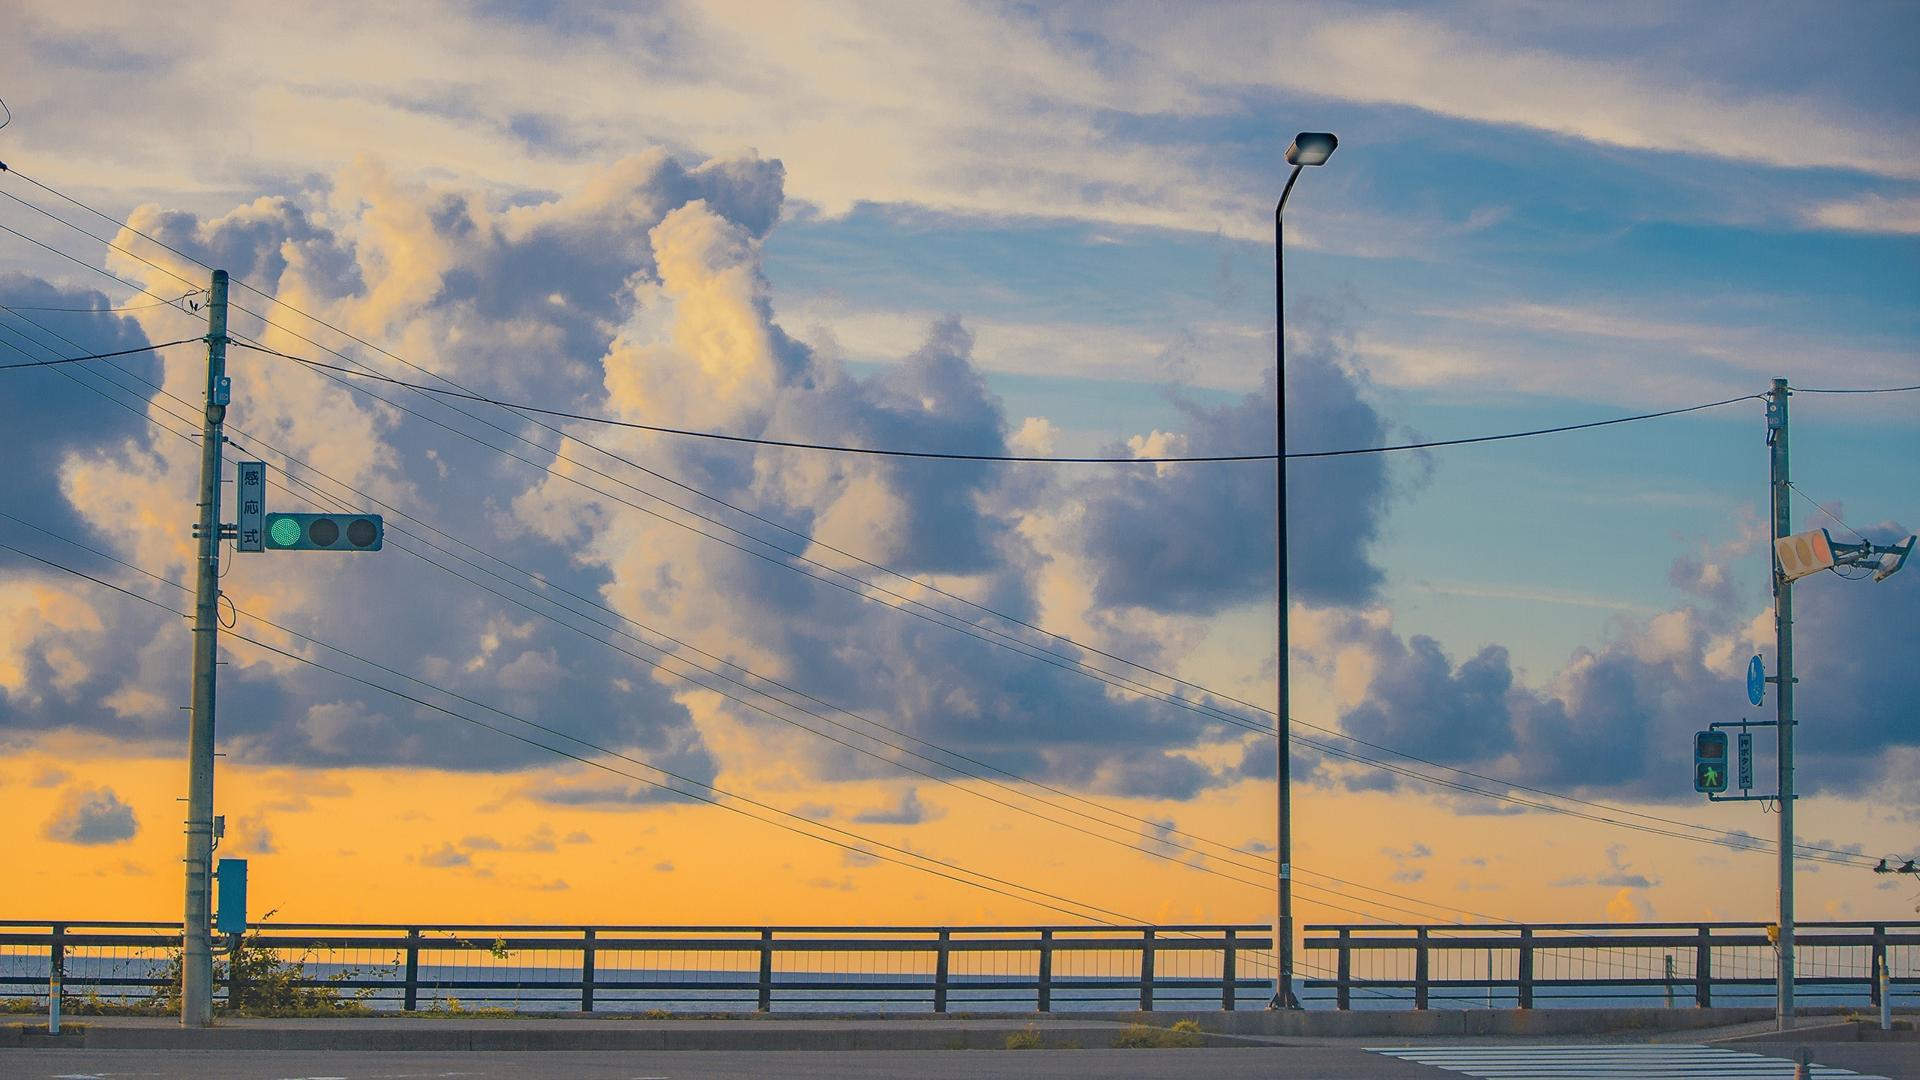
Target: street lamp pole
1309,148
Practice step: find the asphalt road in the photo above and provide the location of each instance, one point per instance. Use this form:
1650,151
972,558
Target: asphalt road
1322,1062
1221,1064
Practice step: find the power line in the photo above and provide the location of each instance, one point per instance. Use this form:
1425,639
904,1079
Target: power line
107,310
748,439
1527,434
1865,390
95,356
887,452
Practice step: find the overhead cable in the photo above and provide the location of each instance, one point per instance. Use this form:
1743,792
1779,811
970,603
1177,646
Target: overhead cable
661,429
97,356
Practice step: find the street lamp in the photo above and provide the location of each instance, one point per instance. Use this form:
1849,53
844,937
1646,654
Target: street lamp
1309,148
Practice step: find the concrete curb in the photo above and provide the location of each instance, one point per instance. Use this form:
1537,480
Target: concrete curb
587,1035
1522,1023
1847,1031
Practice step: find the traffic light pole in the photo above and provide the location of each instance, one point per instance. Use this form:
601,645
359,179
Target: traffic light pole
1783,696
196,959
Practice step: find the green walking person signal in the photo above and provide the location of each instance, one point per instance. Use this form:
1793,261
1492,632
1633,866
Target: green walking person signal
1710,761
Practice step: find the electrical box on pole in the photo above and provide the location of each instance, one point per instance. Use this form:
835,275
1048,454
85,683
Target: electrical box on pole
232,916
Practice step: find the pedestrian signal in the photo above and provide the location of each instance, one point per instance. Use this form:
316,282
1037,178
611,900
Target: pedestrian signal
324,532
1710,761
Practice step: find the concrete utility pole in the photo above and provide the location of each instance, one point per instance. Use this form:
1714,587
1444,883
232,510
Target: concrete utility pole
1783,696
196,990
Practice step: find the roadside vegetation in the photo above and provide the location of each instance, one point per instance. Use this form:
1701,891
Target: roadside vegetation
1183,1034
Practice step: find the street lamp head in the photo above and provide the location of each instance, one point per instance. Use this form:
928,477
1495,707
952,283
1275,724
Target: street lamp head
1311,148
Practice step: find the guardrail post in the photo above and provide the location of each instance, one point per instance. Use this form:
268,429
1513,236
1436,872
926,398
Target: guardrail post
1343,970
940,972
411,995
766,971
57,951
236,992
587,949
1525,975
1703,968
1229,973
1146,971
1876,963
1420,968
1046,971
57,975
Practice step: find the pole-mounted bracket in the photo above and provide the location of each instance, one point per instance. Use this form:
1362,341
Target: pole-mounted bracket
227,531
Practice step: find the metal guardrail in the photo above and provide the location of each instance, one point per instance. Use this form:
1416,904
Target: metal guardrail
1525,965
584,967
988,968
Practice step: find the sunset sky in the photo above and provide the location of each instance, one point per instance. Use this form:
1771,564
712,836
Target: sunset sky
1029,230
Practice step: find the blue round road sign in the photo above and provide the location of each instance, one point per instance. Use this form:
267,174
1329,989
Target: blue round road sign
1756,681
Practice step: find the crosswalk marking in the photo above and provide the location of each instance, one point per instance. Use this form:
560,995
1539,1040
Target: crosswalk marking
1643,1062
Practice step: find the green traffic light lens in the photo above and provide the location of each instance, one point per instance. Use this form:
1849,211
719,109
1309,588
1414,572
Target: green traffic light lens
284,532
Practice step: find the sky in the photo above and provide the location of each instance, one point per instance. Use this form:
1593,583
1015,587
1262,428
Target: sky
1017,229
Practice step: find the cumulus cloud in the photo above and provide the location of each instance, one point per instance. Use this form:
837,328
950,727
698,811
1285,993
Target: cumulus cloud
1619,715
1196,539
91,816
653,303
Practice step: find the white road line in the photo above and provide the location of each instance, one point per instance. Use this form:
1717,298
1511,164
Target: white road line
1676,1062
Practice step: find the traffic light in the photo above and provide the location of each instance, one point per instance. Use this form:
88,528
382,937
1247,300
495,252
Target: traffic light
324,532
1804,553
1710,761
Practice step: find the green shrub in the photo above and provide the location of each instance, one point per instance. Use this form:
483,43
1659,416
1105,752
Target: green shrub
260,983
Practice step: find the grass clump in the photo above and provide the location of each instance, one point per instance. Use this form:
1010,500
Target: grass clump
1027,1038
1182,1035
89,1004
452,1009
